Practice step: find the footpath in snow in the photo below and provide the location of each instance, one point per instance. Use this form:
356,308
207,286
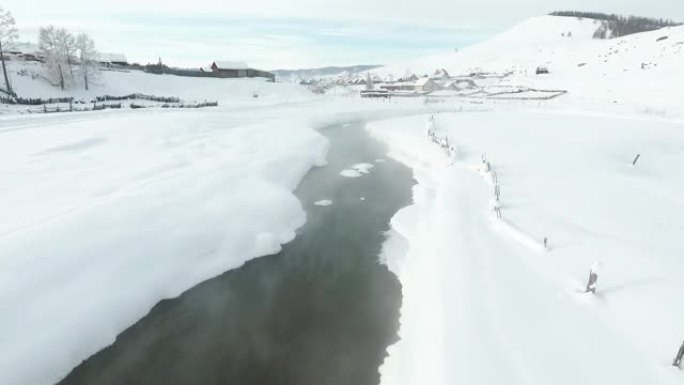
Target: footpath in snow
485,303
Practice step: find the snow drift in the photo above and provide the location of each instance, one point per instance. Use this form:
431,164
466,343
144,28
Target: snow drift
103,218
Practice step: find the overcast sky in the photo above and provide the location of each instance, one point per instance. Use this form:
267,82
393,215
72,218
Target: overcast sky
298,33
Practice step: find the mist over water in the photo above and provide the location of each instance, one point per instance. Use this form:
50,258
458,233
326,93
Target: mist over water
323,311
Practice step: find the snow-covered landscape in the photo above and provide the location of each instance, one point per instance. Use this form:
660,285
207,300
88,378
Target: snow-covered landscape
516,200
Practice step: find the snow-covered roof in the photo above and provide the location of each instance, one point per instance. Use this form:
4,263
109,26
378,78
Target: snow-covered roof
24,48
113,57
423,81
231,65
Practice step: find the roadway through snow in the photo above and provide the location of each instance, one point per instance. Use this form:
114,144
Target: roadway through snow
322,311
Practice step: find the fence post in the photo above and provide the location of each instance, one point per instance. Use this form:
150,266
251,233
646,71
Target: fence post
677,363
593,277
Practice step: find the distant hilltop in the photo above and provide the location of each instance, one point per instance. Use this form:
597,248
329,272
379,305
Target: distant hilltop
613,25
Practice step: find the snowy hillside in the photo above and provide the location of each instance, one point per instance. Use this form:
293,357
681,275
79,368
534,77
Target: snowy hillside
484,302
226,91
642,69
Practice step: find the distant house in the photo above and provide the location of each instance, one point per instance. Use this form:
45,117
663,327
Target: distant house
236,69
450,86
409,78
426,85
399,86
458,85
30,57
112,60
25,52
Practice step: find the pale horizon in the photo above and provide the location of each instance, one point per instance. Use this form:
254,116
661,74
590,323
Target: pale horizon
299,34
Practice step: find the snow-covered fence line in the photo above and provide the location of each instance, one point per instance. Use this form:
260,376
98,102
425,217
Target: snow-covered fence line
151,98
196,105
510,95
70,108
34,101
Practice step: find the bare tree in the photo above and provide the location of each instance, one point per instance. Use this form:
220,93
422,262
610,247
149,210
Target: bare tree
8,34
67,44
87,56
55,61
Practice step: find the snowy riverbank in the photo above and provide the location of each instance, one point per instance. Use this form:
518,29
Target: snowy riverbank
485,302
107,213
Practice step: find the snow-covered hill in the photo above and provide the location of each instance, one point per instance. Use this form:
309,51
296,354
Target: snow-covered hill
560,43
642,69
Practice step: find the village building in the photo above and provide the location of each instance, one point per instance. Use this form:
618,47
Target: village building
399,86
450,86
426,85
24,52
110,60
236,69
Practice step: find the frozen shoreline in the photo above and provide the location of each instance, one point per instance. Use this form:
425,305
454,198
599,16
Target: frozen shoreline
480,291
164,198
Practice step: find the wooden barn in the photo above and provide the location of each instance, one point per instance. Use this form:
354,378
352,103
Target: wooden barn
236,69
109,60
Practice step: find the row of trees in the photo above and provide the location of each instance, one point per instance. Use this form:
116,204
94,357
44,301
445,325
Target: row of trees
66,57
613,25
63,51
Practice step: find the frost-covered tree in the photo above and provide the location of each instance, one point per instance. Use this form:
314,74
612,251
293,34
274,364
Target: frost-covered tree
55,61
8,34
87,56
67,44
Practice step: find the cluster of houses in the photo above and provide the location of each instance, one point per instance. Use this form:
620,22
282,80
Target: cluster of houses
412,84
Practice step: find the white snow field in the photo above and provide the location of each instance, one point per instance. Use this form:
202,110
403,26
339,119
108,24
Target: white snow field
485,303
103,214
103,218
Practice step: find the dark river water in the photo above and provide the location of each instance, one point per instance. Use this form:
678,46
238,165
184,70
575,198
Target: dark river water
322,311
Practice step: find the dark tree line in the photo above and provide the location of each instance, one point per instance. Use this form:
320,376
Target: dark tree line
613,25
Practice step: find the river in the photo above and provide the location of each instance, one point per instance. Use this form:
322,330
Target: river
322,311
